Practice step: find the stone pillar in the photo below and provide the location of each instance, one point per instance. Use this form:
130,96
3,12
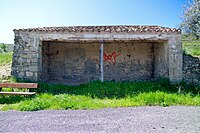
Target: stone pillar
17,60
175,59
34,60
26,57
39,73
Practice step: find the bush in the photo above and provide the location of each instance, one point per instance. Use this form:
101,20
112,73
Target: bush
3,48
5,58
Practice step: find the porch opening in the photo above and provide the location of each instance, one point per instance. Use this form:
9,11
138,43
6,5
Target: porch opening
76,63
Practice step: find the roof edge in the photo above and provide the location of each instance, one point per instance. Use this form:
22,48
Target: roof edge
108,28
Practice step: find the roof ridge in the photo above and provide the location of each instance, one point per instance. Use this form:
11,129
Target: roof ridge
107,28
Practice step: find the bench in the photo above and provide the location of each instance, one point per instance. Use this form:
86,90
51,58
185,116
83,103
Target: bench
19,86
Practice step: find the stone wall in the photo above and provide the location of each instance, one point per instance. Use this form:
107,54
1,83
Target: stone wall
191,69
75,63
26,61
70,63
128,61
161,60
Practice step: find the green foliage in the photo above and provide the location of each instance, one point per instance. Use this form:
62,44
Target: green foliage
11,99
38,103
191,46
10,79
66,101
5,58
96,95
3,48
97,89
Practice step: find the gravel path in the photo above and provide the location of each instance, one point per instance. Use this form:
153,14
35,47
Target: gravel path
137,119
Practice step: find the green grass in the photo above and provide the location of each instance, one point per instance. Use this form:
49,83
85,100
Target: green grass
10,79
191,47
5,58
97,95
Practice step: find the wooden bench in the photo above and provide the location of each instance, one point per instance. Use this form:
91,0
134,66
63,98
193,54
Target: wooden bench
19,86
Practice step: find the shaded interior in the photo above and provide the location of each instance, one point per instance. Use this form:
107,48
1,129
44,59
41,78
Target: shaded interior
76,63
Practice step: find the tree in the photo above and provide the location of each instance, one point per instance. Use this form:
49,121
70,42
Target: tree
191,19
3,48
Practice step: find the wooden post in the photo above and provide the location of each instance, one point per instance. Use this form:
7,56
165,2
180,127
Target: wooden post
101,62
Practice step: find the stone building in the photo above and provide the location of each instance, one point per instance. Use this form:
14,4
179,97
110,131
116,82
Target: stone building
79,54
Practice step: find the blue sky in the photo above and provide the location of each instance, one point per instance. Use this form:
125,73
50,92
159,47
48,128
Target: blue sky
17,14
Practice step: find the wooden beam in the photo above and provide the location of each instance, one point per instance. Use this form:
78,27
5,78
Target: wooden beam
101,63
18,85
18,93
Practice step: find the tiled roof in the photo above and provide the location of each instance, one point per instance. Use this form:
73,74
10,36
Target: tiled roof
110,29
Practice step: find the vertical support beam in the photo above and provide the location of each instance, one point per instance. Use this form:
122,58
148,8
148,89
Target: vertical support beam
101,62
40,61
153,62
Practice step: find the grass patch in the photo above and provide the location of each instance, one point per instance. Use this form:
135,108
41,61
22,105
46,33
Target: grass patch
10,79
191,46
117,89
97,95
66,101
5,58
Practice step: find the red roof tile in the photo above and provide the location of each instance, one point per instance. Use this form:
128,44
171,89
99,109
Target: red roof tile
110,29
